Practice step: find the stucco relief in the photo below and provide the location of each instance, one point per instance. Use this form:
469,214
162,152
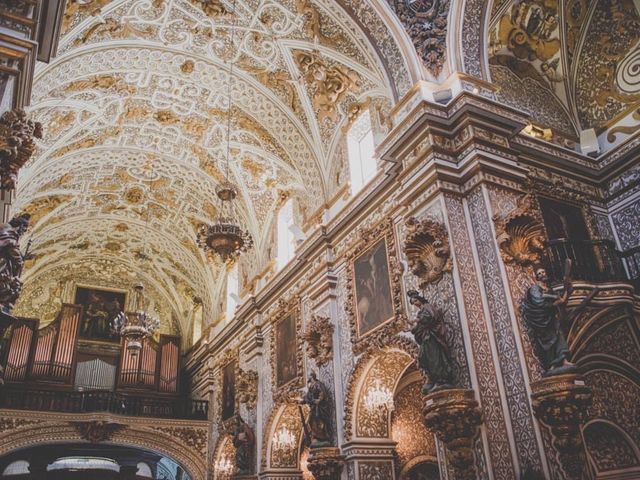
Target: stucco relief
627,226
488,390
508,351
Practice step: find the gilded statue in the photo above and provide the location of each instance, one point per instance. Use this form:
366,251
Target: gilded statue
317,427
544,311
244,441
433,356
11,264
17,144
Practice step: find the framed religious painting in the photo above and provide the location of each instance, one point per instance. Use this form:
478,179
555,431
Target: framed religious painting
229,389
286,348
374,292
99,310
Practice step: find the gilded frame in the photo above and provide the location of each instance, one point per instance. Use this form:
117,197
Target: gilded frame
381,334
289,390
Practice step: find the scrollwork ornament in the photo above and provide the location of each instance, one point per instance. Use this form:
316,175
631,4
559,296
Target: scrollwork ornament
319,339
17,134
427,250
97,431
247,388
520,233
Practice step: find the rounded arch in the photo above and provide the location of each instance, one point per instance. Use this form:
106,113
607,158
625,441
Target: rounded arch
46,433
609,448
381,369
224,456
425,466
283,439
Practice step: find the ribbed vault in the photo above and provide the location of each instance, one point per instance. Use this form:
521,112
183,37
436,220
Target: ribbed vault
135,108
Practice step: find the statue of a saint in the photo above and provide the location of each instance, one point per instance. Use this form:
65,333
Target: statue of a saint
318,425
11,263
244,441
433,357
541,309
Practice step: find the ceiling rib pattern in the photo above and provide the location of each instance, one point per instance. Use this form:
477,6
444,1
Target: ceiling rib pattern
135,108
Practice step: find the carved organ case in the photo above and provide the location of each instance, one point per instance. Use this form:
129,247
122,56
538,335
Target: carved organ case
56,354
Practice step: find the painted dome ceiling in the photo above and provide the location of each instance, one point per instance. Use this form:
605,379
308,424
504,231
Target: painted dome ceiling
136,107
573,64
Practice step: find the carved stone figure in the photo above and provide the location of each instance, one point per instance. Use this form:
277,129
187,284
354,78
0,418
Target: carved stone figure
11,263
318,425
244,440
433,356
319,339
16,144
541,309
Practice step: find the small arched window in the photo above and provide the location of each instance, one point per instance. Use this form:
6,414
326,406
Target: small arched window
361,151
232,292
285,234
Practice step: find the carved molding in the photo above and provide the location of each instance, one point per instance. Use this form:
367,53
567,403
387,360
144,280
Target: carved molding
319,339
7,424
325,463
520,233
454,416
285,393
17,144
194,438
97,431
247,388
427,250
380,336
561,403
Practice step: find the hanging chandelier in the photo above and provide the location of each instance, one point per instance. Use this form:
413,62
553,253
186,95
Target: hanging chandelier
137,325
379,397
226,239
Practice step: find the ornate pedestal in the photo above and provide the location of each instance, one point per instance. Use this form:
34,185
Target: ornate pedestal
325,463
454,417
560,403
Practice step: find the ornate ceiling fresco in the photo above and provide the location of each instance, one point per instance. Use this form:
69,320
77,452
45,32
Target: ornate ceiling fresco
135,109
573,64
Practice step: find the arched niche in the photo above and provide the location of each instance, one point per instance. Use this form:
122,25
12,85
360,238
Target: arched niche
224,458
284,439
376,370
52,432
612,453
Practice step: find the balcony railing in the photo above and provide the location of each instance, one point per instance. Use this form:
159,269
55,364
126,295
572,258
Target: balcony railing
97,401
595,261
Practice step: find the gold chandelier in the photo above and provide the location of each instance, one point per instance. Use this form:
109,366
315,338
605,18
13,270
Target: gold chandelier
226,239
137,325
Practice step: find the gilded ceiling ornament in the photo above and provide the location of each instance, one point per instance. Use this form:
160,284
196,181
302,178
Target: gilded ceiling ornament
354,111
330,84
520,233
187,67
319,339
116,30
530,30
80,8
97,431
427,250
247,388
166,116
313,24
100,82
426,24
17,134
211,8
43,206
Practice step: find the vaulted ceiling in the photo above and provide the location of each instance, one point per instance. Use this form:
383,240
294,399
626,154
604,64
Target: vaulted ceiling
136,108
573,64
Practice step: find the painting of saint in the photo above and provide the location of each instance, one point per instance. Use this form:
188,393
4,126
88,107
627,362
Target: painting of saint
229,391
374,305
100,308
286,351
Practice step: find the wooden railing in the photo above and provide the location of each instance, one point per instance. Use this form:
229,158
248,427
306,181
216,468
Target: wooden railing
97,401
592,260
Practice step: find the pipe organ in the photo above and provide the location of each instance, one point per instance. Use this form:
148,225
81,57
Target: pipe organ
55,354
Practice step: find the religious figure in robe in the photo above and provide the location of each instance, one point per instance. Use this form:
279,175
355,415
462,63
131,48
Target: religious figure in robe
433,356
244,440
318,424
541,309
